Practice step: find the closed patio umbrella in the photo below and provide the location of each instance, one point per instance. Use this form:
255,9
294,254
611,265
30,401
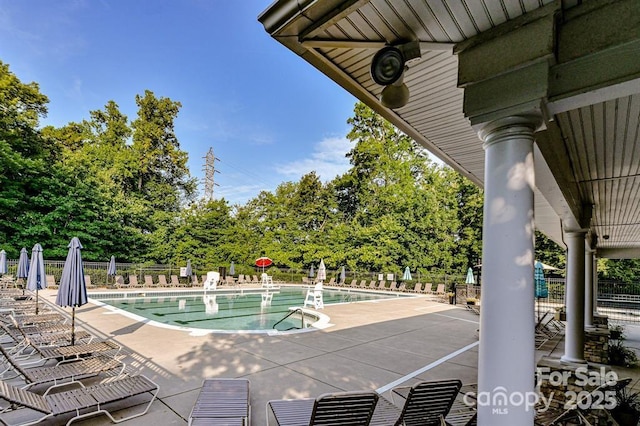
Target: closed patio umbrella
407,274
470,278
36,279
343,275
232,269
23,264
312,272
541,284
111,269
3,262
73,288
188,271
322,271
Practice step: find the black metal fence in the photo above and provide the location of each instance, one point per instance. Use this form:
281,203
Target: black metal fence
98,273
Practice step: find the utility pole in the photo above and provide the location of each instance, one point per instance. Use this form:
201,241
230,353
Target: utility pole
209,173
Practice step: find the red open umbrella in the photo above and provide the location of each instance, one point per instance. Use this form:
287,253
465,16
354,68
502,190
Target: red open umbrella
263,262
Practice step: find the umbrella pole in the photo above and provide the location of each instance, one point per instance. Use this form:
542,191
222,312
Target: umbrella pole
36,301
73,325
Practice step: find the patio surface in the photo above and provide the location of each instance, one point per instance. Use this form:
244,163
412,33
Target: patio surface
372,345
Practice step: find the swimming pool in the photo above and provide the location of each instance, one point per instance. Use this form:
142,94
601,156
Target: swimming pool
236,310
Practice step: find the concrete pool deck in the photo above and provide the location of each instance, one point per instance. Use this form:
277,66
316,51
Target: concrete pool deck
372,345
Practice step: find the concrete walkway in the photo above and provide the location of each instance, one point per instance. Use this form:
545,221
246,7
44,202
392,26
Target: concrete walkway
372,345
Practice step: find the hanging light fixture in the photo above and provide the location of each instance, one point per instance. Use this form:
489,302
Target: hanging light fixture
387,69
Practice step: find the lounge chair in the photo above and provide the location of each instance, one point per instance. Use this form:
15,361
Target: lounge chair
363,284
340,408
425,404
148,281
51,281
417,288
175,282
32,319
89,401
332,281
87,281
382,284
372,284
41,339
162,281
354,283
119,282
76,351
194,281
61,374
133,281
222,401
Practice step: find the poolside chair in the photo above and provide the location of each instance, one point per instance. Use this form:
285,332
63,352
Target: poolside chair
89,400
382,284
51,281
17,335
64,353
363,284
372,284
332,281
305,280
194,281
354,283
119,281
340,408
254,279
162,281
222,401
32,319
175,282
133,281
61,374
417,288
148,281
87,281
425,404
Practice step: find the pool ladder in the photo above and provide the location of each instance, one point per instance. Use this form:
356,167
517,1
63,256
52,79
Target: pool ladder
298,310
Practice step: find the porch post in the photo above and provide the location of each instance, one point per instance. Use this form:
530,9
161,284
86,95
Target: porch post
506,362
575,289
589,255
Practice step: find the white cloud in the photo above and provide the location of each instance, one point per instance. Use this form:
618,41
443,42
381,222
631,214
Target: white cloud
327,160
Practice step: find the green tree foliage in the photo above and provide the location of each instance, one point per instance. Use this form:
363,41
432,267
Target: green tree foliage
124,189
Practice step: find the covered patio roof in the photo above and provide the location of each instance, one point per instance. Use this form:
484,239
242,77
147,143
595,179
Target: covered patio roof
581,62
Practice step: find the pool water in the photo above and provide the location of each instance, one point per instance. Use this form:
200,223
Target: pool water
243,311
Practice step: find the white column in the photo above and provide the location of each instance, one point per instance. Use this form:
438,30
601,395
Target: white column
574,333
588,286
595,283
506,362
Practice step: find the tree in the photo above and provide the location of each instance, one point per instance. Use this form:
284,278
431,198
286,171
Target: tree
162,176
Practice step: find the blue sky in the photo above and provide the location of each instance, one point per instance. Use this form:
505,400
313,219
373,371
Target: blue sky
267,114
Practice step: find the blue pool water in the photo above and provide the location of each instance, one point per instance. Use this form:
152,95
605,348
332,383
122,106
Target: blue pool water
230,311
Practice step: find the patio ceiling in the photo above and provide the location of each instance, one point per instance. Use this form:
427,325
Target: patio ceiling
587,156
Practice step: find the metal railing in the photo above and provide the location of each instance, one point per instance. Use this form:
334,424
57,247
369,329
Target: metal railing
292,312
